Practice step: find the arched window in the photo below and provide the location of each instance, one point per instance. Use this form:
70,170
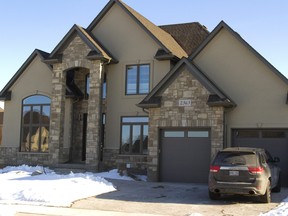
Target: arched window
35,124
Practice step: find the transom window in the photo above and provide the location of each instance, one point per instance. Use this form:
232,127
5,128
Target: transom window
35,124
134,135
137,79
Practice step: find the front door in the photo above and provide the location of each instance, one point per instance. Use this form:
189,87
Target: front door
84,136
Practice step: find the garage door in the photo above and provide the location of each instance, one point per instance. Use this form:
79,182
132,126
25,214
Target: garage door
275,141
185,155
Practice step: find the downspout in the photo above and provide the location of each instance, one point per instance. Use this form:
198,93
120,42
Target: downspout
225,131
102,66
145,110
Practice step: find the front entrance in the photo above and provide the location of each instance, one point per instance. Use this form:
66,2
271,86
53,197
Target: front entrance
84,136
185,155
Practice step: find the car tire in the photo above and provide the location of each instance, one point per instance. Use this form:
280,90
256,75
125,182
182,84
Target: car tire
277,189
214,196
266,198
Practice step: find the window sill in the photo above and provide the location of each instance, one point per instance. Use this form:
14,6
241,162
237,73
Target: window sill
133,155
33,153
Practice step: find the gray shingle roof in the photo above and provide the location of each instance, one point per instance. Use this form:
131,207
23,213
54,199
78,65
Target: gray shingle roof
188,35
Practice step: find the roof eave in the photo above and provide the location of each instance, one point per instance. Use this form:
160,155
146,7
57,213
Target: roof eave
221,104
148,105
217,29
5,92
6,96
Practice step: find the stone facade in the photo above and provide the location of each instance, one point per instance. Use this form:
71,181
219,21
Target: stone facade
171,115
74,56
112,159
12,156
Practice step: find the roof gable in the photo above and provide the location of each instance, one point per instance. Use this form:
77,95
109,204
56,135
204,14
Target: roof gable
223,25
5,94
217,97
163,39
97,50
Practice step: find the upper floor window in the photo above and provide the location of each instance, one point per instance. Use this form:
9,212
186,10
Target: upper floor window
137,79
35,124
87,87
104,87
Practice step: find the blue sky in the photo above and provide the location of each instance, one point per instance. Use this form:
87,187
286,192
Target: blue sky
26,25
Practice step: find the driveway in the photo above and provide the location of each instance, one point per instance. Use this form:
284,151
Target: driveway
174,199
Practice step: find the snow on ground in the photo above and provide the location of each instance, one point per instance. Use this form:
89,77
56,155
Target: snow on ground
19,185
42,186
280,210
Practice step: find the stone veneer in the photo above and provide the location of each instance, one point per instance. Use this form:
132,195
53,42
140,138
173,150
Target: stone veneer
112,160
170,115
12,156
74,56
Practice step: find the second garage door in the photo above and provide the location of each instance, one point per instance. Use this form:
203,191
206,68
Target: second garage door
274,140
185,155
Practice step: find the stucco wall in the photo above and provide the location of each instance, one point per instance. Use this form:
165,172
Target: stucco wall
259,93
130,44
36,79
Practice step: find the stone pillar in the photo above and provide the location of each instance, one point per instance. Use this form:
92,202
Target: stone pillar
57,114
94,114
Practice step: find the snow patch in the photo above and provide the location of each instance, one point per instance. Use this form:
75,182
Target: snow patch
19,186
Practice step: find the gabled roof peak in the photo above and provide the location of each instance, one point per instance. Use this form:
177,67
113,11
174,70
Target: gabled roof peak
224,25
216,98
94,45
161,37
5,94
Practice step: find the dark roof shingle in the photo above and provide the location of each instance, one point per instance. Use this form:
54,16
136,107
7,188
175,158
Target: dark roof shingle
188,35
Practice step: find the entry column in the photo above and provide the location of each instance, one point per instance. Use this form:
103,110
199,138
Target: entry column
94,114
57,114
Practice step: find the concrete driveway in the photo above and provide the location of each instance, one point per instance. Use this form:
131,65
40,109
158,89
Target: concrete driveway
174,199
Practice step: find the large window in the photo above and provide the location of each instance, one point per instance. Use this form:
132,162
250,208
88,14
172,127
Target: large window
35,124
134,135
0,134
87,86
137,79
1,125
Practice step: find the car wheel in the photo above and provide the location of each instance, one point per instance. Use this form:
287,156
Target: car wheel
214,196
266,198
277,189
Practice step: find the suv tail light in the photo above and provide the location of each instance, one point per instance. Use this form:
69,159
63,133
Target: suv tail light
214,169
255,170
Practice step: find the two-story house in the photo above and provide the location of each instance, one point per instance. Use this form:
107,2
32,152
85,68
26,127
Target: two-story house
125,93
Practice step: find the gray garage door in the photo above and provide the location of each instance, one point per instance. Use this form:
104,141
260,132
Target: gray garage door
275,141
185,155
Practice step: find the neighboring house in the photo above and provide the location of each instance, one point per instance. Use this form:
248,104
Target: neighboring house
1,123
125,93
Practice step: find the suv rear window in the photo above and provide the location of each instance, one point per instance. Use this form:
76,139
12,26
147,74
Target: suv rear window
235,158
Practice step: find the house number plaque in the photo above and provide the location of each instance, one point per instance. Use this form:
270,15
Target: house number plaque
185,103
